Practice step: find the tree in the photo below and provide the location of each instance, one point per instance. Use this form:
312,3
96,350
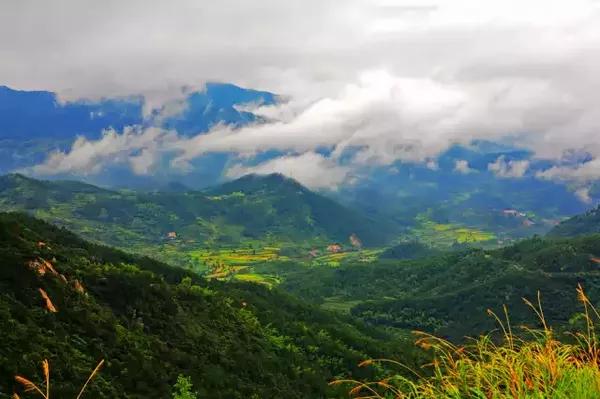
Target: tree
183,388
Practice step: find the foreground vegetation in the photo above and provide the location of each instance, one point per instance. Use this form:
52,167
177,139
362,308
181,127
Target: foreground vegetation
448,293
73,303
44,391
538,366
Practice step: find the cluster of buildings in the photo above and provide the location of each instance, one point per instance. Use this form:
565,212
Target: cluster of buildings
527,221
336,247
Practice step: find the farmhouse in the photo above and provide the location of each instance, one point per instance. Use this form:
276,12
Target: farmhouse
334,248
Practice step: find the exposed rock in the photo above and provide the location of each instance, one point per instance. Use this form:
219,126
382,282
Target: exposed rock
78,286
47,302
42,266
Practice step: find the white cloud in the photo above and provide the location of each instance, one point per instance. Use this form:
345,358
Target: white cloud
134,146
379,120
508,168
125,46
383,81
462,166
578,175
580,172
583,194
432,165
310,169
165,102
144,162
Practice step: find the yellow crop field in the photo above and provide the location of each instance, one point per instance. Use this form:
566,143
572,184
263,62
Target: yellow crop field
269,281
445,234
236,256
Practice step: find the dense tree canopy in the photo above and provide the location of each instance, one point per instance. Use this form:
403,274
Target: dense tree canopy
152,322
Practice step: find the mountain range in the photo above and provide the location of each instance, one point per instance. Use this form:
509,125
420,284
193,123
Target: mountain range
35,123
28,115
254,209
277,275
299,200
261,269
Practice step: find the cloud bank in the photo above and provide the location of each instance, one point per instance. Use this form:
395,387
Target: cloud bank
368,83
462,166
311,169
509,168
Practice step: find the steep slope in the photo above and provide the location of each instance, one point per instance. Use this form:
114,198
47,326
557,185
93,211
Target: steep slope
269,209
586,223
308,210
152,322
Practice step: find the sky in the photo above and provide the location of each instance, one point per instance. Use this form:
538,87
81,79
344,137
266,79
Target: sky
364,83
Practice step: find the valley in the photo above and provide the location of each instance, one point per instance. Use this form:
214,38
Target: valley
299,199
272,231
291,273
261,287
152,322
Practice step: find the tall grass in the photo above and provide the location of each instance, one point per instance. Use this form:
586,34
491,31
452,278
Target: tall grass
30,387
537,366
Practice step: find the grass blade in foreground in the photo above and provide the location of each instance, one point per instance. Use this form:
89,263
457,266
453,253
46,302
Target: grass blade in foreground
29,386
539,366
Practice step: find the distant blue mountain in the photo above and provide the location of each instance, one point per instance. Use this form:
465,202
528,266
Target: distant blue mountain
32,123
27,115
479,154
477,198
217,104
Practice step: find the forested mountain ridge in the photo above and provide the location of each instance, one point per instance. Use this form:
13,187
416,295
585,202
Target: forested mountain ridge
264,208
337,221
74,303
586,223
410,285
449,294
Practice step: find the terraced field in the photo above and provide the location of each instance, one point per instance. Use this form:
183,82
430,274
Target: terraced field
445,235
335,259
236,256
268,281
236,263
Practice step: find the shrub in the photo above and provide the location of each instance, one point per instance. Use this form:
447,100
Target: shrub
535,367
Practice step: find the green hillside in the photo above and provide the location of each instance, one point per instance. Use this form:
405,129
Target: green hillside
254,211
449,294
152,322
587,223
299,212
233,338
